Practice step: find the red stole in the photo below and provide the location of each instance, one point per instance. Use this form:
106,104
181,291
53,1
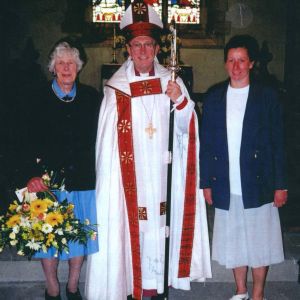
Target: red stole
126,156
145,87
188,226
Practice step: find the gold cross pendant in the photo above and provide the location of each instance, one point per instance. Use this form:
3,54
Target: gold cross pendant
150,130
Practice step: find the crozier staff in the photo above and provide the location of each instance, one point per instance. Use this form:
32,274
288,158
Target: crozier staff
131,184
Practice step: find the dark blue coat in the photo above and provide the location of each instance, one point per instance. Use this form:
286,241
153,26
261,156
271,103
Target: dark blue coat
262,157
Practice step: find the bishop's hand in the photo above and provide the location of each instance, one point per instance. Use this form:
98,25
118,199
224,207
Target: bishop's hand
173,90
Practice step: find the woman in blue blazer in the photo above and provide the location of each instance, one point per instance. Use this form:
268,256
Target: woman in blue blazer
242,169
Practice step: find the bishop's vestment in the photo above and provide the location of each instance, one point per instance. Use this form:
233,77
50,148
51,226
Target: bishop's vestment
131,164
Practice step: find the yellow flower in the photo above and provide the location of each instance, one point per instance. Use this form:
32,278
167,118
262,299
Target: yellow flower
37,226
38,206
54,219
36,235
70,208
12,221
24,236
49,202
50,239
12,207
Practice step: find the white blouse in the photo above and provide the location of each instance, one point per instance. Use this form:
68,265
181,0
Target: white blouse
235,111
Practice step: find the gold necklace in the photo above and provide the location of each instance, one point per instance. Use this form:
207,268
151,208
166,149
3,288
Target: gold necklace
150,130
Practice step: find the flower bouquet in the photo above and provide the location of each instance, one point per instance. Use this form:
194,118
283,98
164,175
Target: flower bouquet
36,221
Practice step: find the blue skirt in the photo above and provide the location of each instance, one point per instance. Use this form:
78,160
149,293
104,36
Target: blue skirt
84,208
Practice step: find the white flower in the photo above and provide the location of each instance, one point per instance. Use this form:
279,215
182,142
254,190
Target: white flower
20,252
59,231
46,177
47,228
12,235
64,240
44,248
19,207
87,222
16,229
32,196
69,229
14,242
33,245
1,249
25,222
94,236
55,204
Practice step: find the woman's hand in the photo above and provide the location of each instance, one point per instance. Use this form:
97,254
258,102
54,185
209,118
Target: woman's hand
208,196
173,90
280,197
36,184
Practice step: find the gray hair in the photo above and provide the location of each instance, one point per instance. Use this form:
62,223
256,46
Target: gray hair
61,49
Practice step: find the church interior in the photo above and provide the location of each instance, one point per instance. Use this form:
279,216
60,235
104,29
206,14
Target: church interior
29,29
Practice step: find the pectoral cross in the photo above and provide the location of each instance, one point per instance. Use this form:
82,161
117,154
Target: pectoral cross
150,130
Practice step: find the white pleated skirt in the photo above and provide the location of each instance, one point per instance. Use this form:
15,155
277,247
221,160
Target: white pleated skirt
247,237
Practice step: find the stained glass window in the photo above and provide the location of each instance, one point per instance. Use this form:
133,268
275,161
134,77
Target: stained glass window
108,11
182,11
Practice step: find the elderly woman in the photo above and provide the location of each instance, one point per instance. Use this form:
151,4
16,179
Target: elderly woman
63,137
242,169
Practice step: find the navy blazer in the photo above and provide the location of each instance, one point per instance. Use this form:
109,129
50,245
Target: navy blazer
262,155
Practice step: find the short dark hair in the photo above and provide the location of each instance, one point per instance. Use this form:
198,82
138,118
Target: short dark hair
243,41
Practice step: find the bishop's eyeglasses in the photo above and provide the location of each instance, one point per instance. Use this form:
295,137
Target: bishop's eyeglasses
139,46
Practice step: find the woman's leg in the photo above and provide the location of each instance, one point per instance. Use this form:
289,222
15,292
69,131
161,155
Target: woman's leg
259,276
50,270
240,277
75,264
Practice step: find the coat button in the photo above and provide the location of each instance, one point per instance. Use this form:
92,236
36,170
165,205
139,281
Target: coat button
257,177
215,158
214,178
